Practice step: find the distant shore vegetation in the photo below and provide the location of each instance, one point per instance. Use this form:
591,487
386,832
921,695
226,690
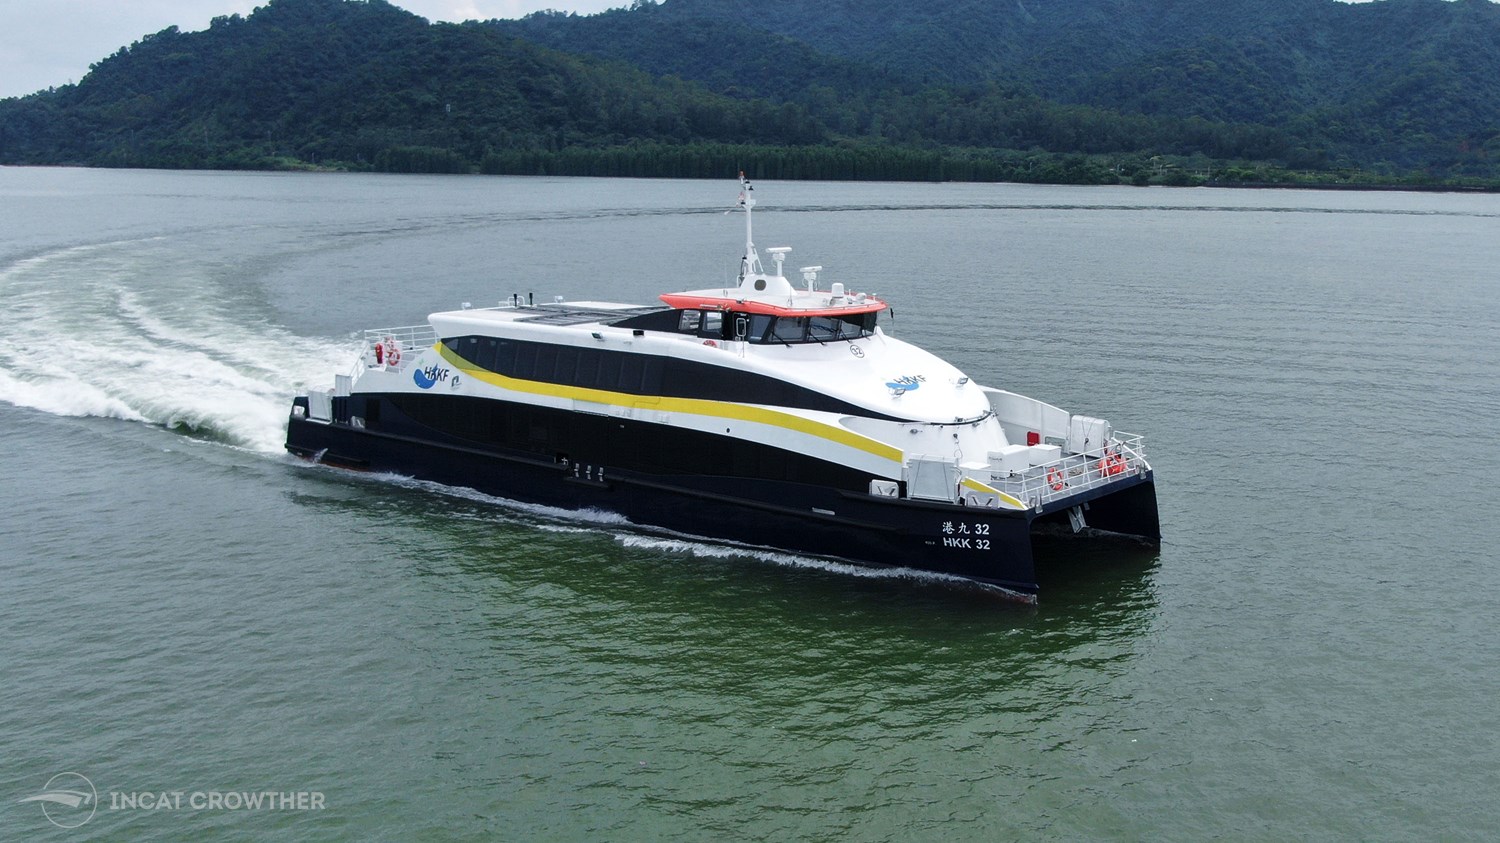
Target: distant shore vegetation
684,90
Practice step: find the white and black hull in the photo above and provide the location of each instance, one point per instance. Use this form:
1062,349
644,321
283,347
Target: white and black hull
697,483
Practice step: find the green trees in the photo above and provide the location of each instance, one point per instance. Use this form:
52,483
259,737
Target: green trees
949,89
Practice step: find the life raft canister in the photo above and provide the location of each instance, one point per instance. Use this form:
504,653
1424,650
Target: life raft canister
1112,464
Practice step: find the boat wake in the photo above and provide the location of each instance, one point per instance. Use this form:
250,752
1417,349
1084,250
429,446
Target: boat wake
665,542
705,549
138,330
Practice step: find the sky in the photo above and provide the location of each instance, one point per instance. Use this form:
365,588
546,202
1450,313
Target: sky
45,43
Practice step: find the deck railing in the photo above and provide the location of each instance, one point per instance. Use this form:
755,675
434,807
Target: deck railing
409,340
1039,485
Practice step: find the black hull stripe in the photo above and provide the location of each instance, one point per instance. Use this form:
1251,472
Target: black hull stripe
547,434
636,374
701,407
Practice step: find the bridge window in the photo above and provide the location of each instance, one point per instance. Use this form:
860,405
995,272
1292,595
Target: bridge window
795,329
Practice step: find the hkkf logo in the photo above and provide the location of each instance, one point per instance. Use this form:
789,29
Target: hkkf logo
429,376
906,383
68,800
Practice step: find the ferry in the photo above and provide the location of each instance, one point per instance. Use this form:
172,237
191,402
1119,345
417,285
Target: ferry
770,414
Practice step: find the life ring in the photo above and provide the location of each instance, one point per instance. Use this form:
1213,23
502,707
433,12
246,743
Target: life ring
392,352
710,343
1055,480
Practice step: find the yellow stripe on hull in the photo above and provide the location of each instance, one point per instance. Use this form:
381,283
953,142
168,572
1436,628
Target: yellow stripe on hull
1009,500
692,406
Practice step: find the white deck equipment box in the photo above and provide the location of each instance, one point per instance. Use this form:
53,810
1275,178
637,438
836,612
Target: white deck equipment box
1088,435
1043,454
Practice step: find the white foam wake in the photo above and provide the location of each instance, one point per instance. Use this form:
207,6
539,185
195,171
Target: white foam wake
555,520
137,330
706,549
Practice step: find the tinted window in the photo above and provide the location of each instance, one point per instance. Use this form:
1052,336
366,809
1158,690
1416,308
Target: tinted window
567,365
526,360
824,327
632,373
546,363
787,329
588,368
505,357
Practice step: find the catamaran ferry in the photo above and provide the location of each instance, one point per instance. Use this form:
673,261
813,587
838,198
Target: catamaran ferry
771,414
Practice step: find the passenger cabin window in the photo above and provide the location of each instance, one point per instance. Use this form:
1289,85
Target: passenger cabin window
713,324
687,323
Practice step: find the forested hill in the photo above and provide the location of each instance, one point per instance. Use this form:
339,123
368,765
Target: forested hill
1414,83
362,83
1042,90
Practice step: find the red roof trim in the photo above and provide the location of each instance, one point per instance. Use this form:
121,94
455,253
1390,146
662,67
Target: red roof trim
689,301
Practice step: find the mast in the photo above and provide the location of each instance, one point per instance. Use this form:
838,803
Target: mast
750,263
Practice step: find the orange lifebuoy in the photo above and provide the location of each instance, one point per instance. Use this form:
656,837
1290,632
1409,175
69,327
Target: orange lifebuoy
392,352
710,343
1055,480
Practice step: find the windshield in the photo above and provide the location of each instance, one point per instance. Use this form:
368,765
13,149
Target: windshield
792,329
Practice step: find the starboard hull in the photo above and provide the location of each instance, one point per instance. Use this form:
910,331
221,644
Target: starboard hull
988,546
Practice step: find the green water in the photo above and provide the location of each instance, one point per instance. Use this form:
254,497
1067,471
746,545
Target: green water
1309,655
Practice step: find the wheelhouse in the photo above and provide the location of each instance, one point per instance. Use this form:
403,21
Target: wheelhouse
757,327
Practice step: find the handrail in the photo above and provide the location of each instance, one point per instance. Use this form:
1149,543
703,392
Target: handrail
410,337
1123,458
408,340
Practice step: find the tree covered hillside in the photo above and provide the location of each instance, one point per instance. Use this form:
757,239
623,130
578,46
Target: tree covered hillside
1398,84
1040,90
363,83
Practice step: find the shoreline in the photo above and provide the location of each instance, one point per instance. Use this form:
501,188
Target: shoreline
1375,187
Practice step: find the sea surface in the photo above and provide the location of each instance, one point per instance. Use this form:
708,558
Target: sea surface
1311,654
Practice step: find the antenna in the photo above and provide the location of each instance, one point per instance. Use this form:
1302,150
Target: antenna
750,263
